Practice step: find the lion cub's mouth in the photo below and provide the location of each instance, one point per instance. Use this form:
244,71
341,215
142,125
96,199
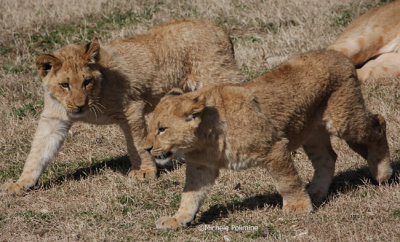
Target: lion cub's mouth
76,114
163,158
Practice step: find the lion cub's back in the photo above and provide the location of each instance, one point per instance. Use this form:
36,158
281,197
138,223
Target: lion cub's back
308,71
197,36
194,46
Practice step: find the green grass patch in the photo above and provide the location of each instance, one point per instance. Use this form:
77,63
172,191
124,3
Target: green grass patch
126,200
396,213
270,27
5,50
60,170
87,28
11,172
166,234
38,217
248,72
90,217
218,197
344,16
2,220
176,199
29,109
126,203
13,69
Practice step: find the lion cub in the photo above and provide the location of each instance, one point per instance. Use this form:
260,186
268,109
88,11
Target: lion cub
120,83
301,103
372,42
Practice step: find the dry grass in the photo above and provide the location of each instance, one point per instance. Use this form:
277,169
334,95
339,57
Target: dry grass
85,194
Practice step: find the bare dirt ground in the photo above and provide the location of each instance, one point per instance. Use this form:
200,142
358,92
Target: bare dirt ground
85,193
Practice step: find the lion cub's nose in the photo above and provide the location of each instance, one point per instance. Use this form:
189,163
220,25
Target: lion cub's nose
148,149
79,108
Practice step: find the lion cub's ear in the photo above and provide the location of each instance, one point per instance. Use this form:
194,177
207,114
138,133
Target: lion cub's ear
195,107
175,92
45,63
92,51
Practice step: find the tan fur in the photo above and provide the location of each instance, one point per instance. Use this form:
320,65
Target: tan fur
370,36
122,82
301,103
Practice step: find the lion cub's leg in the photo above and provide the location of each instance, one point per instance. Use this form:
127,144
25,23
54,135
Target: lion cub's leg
199,181
139,169
49,136
281,167
319,150
347,117
143,165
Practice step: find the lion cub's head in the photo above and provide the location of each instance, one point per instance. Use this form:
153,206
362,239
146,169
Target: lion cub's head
172,128
72,77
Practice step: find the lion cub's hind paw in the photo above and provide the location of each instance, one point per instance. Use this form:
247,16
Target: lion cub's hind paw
299,206
11,189
168,223
143,174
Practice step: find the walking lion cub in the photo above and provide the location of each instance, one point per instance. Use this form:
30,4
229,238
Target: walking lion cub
301,103
120,83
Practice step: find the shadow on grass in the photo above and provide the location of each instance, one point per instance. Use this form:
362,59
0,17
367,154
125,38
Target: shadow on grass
343,182
255,202
352,179
120,164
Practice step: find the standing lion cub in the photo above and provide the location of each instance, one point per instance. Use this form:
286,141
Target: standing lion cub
301,103
122,82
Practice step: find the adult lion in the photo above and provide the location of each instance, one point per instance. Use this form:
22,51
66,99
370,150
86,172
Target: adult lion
301,103
122,82
373,42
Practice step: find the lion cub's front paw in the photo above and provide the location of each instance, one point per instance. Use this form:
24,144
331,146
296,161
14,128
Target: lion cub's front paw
385,171
12,189
168,223
143,174
298,206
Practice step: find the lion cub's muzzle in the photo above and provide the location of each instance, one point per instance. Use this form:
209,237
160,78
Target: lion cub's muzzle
77,111
162,158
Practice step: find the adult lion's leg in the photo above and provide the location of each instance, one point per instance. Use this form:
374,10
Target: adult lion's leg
319,150
347,118
385,66
199,181
143,165
280,165
49,136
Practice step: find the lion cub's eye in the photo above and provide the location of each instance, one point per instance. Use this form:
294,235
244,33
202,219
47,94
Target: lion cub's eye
161,130
87,82
191,117
65,85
